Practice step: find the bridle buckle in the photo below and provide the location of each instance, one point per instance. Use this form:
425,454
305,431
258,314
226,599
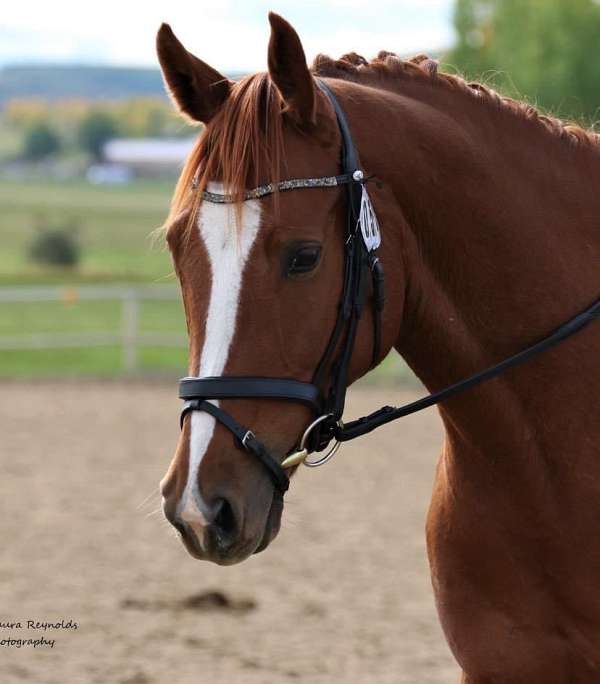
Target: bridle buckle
249,435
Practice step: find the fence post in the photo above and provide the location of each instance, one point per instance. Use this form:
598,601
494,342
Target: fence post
129,330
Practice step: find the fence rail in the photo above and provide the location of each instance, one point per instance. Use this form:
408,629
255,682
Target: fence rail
70,293
128,337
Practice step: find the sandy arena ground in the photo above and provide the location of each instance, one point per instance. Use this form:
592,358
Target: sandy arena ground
342,595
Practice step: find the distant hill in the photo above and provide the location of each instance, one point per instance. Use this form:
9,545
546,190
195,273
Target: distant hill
54,82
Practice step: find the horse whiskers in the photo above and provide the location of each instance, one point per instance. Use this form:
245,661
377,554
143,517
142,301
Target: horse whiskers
147,499
170,530
153,513
166,525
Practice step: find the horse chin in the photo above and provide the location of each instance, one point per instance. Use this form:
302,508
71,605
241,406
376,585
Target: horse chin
272,524
271,530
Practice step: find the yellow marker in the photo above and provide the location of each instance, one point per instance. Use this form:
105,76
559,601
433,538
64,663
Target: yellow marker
69,296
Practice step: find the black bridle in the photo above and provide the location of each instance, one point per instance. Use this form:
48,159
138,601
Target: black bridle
325,395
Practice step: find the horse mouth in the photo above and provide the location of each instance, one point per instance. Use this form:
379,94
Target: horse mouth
273,522
209,549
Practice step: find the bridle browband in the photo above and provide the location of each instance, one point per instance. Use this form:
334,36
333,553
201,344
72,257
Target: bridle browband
325,395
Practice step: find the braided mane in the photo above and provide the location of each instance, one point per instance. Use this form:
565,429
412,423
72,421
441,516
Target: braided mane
387,69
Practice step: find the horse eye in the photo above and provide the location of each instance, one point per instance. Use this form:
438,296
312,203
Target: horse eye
303,259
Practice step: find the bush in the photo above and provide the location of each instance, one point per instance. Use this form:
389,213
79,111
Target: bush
40,142
96,128
55,246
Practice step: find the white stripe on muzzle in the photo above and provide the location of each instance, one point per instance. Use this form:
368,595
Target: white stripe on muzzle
228,247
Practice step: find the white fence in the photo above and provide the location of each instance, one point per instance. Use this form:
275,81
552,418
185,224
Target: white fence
129,337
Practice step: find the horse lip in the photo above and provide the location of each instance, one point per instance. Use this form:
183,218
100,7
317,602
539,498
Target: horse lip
190,541
271,527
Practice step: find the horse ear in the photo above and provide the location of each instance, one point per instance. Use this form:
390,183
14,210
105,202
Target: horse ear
289,72
196,88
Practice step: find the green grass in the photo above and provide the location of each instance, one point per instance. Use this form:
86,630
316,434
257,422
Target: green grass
96,362
89,316
391,371
10,141
115,226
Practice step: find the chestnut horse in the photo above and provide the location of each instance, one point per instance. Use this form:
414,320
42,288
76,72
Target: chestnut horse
490,217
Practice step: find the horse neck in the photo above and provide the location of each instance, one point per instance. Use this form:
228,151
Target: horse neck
499,239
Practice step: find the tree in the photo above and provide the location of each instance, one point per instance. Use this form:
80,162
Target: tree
40,142
541,51
95,129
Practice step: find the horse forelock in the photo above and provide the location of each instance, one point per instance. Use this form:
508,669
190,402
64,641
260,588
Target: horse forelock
240,148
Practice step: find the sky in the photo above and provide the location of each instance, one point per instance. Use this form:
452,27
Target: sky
228,34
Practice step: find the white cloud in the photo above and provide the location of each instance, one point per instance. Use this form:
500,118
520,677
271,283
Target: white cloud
230,34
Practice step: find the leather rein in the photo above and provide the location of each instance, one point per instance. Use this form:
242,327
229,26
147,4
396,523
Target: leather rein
325,395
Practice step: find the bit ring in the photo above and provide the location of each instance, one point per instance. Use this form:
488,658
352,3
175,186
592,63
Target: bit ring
301,454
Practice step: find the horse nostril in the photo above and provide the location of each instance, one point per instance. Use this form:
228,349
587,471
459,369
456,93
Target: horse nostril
225,523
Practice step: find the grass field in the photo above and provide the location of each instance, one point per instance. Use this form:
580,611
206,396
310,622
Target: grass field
116,223
88,317
114,226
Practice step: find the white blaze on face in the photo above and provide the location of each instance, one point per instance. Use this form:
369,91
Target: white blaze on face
228,247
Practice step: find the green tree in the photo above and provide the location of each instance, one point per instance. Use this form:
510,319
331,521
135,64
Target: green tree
40,142
542,50
95,129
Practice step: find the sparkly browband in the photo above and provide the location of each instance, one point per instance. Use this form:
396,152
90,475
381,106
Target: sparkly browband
270,188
